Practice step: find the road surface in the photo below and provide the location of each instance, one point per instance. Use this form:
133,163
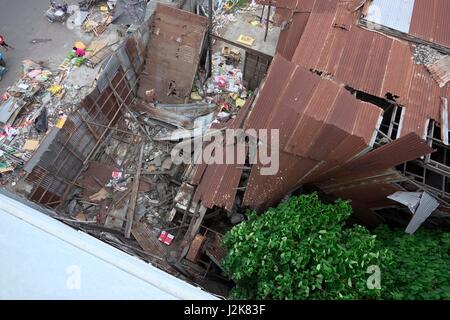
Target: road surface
21,21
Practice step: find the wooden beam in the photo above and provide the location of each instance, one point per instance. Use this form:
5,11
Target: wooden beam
194,226
134,192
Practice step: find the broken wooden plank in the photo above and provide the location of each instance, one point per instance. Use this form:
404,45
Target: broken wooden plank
134,192
194,226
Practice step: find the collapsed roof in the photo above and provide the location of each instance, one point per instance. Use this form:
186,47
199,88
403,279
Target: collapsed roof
328,60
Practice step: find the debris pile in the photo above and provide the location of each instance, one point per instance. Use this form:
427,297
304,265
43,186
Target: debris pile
425,55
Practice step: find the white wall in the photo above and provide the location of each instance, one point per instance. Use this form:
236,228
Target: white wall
42,258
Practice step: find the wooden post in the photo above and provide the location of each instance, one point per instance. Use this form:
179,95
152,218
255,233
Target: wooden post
267,23
134,192
210,30
262,14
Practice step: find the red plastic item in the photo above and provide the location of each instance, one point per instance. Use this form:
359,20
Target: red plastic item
166,238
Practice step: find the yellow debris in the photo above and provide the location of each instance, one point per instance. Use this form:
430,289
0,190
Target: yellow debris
60,122
7,169
195,96
247,40
80,45
254,23
100,195
240,102
234,96
31,145
55,89
103,8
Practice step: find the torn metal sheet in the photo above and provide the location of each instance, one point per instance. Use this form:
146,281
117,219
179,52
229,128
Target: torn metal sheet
171,118
370,62
409,199
440,70
427,206
192,110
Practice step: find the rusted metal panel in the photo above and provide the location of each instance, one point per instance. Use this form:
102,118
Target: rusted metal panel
440,71
148,240
402,150
287,41
219,183
195,250
95,177
368,61
430,21
173,54
373,196
325,133
264,191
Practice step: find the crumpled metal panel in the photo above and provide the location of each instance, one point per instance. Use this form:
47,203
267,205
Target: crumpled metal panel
427,206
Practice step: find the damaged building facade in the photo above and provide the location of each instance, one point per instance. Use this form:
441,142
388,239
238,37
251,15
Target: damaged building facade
360,99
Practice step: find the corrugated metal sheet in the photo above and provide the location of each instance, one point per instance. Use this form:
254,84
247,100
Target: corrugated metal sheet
218,183
409,199
430,21
427,205
393,14
440,70
370,62
325,132
173,54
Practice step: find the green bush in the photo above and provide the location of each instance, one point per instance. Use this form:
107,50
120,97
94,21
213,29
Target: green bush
302,250
421,264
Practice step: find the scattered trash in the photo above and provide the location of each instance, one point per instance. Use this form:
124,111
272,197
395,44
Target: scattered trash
247,40
31,145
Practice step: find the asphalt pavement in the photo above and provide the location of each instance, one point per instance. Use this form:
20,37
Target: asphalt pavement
21,22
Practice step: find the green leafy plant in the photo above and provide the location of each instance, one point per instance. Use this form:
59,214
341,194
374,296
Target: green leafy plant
421,264
302,250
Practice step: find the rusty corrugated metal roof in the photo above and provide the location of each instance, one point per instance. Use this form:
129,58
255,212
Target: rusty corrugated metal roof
325,132
370,62
430,21
218,183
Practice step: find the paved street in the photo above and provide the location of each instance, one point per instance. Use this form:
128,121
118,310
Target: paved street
21,21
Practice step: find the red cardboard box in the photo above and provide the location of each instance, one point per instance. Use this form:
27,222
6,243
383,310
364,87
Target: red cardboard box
166,238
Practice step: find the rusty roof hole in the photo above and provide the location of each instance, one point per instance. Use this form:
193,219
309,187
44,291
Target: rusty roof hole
172,88
390,126
384,103
322,74
341,26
